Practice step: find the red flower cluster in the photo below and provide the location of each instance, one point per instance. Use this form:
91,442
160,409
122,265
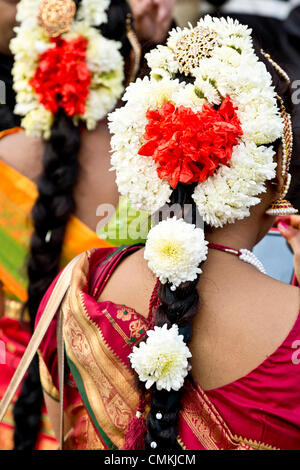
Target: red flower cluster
188,147
62,78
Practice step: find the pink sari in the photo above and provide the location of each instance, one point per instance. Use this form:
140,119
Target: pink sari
101,395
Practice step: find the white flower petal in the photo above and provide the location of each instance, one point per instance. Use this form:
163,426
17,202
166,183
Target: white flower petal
174,251
162,359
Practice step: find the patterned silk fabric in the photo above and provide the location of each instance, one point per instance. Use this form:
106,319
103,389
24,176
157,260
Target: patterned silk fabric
99,336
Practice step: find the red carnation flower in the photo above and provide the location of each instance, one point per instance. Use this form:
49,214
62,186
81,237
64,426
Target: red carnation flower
188,147
62,78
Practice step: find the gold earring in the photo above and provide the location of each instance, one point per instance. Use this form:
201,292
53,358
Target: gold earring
136,48
281,206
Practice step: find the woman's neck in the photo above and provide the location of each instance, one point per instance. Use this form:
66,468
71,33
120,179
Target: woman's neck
244,233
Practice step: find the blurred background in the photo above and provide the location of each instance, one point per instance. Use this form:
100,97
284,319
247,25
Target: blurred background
187,10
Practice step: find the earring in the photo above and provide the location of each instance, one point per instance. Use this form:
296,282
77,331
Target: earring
281,206
136,49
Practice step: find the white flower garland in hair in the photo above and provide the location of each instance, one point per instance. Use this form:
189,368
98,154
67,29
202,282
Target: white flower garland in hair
102,57
233,70
162,359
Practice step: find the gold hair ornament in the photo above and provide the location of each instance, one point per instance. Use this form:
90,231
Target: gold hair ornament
136,49
56,16
194,46
281,206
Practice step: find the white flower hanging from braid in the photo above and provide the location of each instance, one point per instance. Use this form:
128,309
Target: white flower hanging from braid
162,359
174,251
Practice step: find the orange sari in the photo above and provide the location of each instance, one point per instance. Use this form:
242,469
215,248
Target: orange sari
17,196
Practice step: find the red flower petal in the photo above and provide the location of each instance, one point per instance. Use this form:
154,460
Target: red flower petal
188,147
62,78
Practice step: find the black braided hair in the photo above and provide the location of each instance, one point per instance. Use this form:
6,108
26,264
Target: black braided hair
176,307
8,119
180,307
51,213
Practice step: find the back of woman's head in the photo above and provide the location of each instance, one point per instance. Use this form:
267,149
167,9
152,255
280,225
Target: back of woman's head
201,132
57,116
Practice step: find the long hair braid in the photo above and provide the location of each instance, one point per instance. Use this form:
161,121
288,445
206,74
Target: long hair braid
51,213
176,307
53,207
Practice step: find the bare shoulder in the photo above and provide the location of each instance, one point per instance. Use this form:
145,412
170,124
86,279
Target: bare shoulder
131,284
23,153
242,322
281,294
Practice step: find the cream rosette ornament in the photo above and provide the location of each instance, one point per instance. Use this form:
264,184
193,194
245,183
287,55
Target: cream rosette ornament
214,132
63,61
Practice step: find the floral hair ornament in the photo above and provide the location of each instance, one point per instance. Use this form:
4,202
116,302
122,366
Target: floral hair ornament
56,16
162,359
174,250
213,131
63,61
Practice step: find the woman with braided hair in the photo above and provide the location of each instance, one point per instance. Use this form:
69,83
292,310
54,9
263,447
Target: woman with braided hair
187,343
71,62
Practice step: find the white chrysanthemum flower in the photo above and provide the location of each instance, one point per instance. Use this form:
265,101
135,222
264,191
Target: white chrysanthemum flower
28,44
27,10
254,114
209,70
228,194
225,26
162,359
206,89
174,250
38,122
159,73
162,58
149,93
229,56
93,12
175,35
188,97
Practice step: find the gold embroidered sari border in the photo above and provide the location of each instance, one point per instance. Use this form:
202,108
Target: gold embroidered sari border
257,445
